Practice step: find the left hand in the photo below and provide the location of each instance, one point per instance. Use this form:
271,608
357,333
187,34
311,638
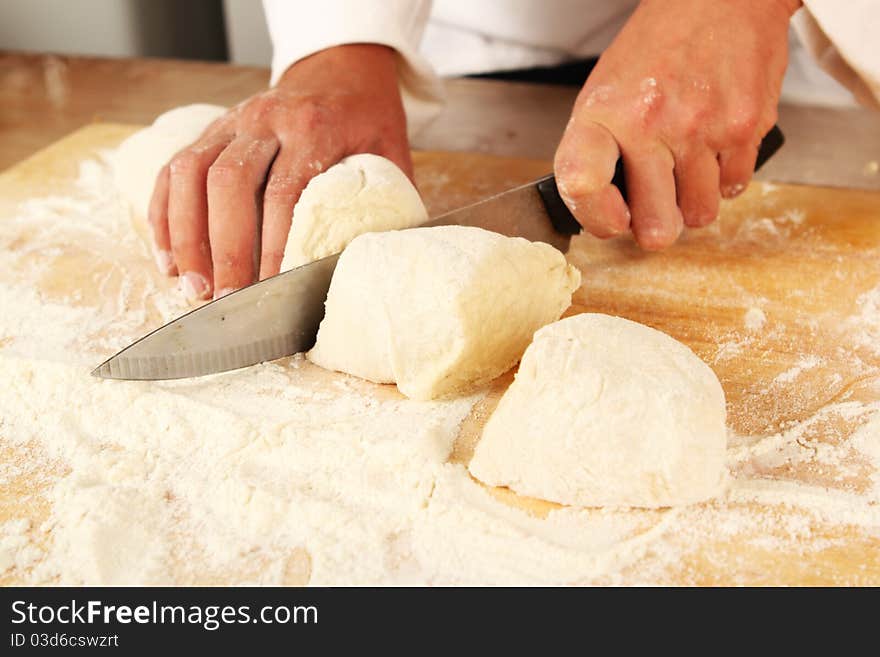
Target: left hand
255,161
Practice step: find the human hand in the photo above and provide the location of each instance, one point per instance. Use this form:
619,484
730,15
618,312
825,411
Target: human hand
684,95
230,195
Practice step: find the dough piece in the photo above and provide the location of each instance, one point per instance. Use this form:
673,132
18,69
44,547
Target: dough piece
360,194
138,159
439,310
607,412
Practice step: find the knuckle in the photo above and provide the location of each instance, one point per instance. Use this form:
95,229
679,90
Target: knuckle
190,248
571,186
650,103
310,115
577,181
186,163
232,261
595,95
693,122
262,109
280,187
743,125
228,173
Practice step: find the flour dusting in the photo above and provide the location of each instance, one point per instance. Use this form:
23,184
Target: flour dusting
805,363
754,319
284,473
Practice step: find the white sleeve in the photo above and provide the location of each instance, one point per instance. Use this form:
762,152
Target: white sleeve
299,28
842,37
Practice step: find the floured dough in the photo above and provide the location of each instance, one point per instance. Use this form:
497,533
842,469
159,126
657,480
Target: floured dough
607,412
138,159
360,194
439,310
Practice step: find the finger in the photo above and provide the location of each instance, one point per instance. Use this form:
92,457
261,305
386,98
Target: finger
289,176
235,182
656,219
697,187
584,166
188,215
291,172
398,151
157,216
737,166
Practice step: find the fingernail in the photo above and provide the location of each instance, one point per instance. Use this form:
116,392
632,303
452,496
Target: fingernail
193,285
164,261
222,292
732,191
656,237
654,234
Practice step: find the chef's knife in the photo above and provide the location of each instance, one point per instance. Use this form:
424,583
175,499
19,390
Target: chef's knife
280,316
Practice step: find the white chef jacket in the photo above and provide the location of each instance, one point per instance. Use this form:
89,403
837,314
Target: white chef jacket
457,37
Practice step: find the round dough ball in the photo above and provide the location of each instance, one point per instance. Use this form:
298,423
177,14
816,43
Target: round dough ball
138,159
607,412
439,310
360,194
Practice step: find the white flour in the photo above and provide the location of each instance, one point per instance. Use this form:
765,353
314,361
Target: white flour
865,326
754,319
805,363
285,473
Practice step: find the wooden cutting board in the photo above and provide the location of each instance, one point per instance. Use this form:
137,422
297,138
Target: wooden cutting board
805,259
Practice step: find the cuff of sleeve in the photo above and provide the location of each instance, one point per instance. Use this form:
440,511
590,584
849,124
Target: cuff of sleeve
839,40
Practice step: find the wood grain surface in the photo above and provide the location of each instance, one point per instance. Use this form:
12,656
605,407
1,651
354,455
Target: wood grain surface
805,256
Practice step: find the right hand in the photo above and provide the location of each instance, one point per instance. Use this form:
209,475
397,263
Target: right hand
683,95
255,161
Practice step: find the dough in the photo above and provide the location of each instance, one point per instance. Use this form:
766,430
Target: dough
439,310
607,412
360,194
138,159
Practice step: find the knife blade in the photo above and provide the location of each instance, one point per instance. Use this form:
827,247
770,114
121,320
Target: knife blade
276,317
279,316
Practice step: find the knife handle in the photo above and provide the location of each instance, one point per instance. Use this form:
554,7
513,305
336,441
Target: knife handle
564,221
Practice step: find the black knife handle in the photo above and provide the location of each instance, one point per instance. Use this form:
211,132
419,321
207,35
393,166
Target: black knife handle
565,223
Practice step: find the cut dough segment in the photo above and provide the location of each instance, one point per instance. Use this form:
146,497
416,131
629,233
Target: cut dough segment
607,412
138,159
439,310
362,193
